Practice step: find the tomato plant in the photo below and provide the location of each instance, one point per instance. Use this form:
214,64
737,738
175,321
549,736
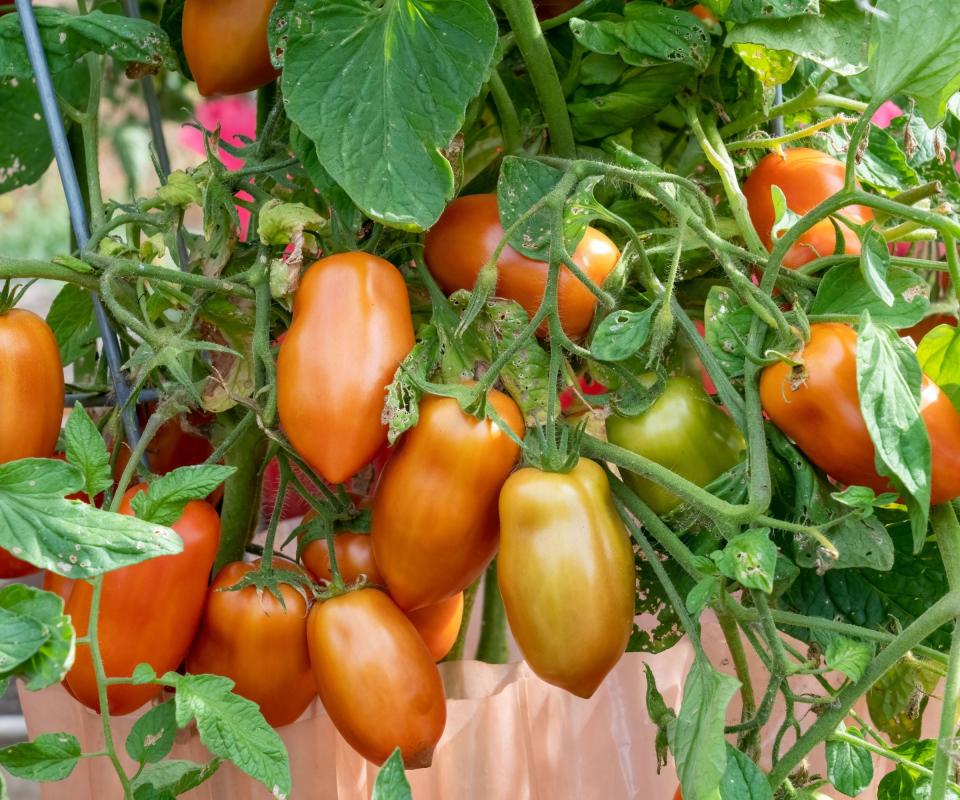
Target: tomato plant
504,242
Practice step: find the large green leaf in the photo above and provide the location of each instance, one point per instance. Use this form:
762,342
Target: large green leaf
748,10
67,37
743,779
36,638
844,291
49,757
835,38
69,537
71,315
939,354
381,89
649,34
914,47
849,767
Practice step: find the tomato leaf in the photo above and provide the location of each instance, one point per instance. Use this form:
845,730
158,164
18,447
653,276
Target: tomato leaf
874,264
87,451
888,380
750,558
849,767
151,737
939,356
165,499
72,321
833,39
647,35
622,333
845,293
742,779
143,673
661,714
391,781
896,702
394,81
772,67
931,73
232,727
69,537
848,656
49,757
749,10
699,597
727,324
169,779
41,660
402,409
696,736
67,37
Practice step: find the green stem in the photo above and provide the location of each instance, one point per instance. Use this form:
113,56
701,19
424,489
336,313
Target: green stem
507,112
543,73
953,263
132,269
32,268
731,633
91,141
943,611
805,100
861,130
492,646
469,598
777,141
241,497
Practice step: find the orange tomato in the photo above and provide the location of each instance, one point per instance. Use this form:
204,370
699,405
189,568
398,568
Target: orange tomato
351,329
466,236
807,178
261,645
149,612
376,678
225,42
435,523
820,410
700,11
354,558
439,624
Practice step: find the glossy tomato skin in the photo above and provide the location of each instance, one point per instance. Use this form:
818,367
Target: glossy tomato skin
225,42
435,521
31,400
703,13
683,430
351,329
439,624
31,388
566,573
466,236
922,328
58,584
354,553
807,177
376,677
258,643
819,409
149,612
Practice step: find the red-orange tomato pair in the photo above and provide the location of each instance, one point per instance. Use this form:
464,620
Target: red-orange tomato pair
807,178
31,400
818,407
466,236
225,42
437,624
435,521
249,637
351,329
149,611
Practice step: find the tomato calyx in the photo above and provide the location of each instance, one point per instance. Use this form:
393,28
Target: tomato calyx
554,448
10,295
268,578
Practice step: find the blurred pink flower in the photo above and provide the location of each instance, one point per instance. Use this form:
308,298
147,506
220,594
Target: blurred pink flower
237,117
885,114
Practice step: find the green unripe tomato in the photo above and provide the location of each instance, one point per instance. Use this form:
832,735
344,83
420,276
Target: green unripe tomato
685,431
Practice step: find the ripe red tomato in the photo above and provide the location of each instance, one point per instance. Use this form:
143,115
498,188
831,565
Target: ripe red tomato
922,328
467,234
351,329
149,612
354,558
439,624
566,573
31,400
261,645
58,585
807,178
548,9
225,42
820,411
435,522
700,11
376,678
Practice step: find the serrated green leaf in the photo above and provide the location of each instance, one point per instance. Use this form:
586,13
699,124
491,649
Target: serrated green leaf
621,334
699,597
750,558
72,321
87,451
939,356
233,728
151,737
726,328
743,779
69,537
875,263
849,767
49,757
849,657
143,673
169,494
843,291
53,655
169,779
391,783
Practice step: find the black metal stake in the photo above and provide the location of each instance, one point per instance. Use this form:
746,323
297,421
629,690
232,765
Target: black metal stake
78,213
